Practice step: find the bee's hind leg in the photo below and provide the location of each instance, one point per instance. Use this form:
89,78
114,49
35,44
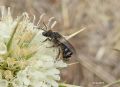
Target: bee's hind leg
58,57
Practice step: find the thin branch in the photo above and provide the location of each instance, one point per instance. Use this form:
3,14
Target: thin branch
74,34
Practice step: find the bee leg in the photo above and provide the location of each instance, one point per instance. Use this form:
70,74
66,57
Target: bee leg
58,57
54,45
47,39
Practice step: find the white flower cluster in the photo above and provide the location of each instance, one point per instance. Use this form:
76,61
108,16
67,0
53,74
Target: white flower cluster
25,60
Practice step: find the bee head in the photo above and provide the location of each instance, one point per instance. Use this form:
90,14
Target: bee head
47,33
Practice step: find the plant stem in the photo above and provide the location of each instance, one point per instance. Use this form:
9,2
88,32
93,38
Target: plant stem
108,85
67,85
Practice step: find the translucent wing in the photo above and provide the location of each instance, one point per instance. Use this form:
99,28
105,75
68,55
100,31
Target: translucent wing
66,43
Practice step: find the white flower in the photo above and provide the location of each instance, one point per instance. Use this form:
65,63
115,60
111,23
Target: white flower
25,60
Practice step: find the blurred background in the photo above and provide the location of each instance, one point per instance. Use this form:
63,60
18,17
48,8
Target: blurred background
98,47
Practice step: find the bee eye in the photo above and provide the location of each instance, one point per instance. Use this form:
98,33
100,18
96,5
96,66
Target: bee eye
44,34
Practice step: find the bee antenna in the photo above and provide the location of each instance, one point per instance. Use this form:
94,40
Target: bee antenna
40,18
45,26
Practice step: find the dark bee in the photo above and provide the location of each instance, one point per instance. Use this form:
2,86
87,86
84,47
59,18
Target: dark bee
59,40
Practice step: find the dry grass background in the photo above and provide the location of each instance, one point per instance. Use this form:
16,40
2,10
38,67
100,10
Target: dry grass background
97,47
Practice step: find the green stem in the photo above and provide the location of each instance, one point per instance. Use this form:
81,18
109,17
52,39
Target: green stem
13,33
15,28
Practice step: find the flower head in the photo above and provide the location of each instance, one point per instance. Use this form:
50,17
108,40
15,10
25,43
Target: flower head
25,60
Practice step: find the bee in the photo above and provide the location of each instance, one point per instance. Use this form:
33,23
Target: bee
66,48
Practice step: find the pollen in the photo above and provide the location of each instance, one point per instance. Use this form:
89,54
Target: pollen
8,74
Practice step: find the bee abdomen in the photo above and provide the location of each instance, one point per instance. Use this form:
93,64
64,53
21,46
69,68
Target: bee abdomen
67,53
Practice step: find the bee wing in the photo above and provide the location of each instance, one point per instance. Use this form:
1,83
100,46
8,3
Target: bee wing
67,43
